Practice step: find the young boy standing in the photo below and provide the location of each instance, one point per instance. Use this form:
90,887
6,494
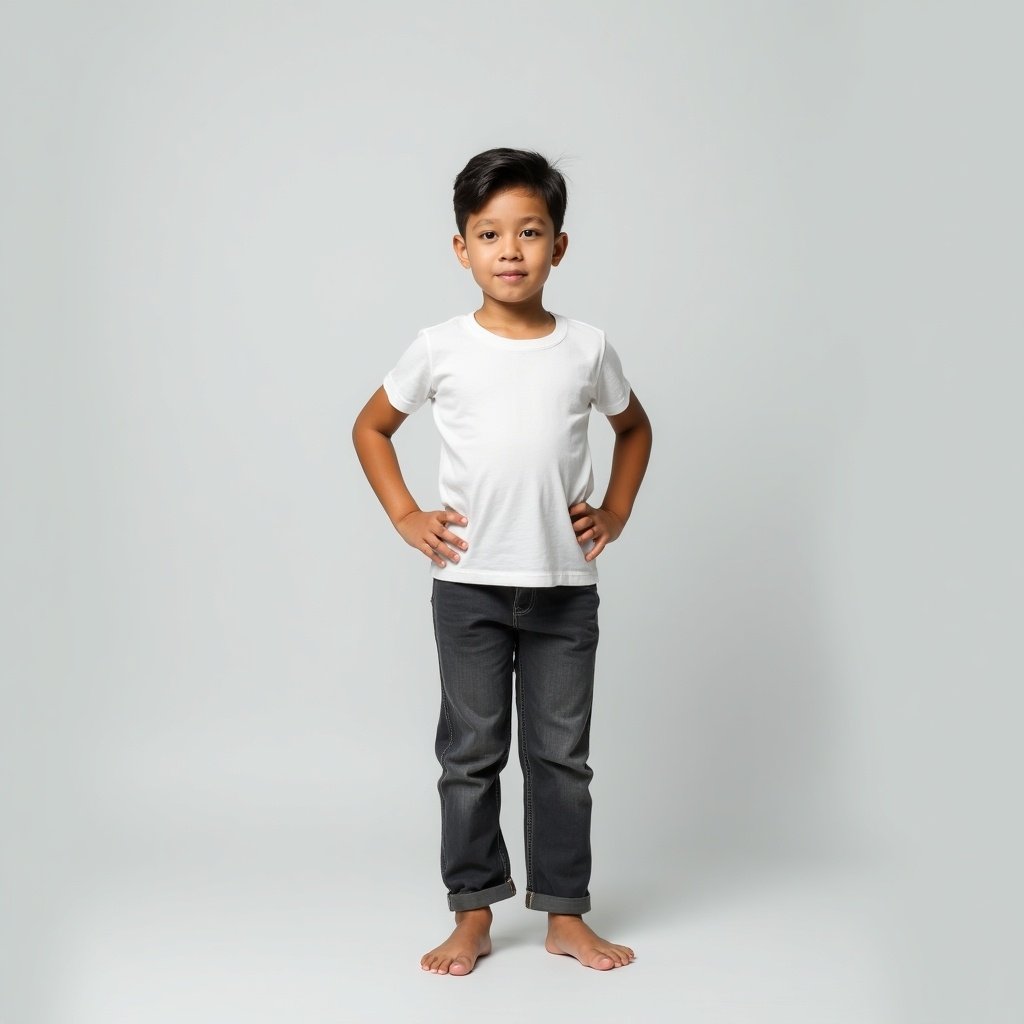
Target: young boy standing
513,551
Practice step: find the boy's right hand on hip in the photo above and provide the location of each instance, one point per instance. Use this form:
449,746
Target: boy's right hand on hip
428,532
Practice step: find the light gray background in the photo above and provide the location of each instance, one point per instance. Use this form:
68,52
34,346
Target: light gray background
223,222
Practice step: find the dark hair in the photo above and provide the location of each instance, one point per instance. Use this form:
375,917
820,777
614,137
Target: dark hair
498,169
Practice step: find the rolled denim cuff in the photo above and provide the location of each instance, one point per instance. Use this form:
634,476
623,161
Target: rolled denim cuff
482,898
557,904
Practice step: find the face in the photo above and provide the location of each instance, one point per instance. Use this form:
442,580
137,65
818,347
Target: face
510,245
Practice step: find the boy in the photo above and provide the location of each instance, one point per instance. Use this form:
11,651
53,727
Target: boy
513,551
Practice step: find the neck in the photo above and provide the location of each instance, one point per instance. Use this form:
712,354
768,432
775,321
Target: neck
515,320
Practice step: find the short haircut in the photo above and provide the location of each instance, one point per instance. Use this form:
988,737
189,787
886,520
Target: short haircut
499,169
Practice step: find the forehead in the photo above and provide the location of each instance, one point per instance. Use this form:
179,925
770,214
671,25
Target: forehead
512,204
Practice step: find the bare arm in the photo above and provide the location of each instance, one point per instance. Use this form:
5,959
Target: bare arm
632,452
371,436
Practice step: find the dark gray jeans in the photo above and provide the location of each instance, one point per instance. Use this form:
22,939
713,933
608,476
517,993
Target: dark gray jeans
548,637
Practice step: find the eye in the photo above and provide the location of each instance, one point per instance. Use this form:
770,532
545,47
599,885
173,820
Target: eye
531,232
489,235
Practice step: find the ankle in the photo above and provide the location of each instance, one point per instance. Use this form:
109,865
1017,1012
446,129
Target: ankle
479,914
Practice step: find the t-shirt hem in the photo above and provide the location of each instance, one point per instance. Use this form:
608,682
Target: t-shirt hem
517,579
396,398
616,407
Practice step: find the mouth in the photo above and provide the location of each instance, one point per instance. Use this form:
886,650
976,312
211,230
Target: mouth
512,275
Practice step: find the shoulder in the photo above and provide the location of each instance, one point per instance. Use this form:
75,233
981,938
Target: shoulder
584,330
453,325
448,335
587,338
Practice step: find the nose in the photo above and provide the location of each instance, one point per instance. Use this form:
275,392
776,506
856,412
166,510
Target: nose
510,249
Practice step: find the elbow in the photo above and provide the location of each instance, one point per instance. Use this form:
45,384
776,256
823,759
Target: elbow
359,427
364,429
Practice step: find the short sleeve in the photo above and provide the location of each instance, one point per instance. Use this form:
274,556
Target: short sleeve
410,382
611,391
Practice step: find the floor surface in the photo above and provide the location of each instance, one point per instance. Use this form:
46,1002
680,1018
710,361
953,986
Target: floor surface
177,939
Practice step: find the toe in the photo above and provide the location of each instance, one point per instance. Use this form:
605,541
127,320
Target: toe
461,965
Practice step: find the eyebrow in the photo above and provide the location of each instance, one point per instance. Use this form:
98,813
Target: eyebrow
524,220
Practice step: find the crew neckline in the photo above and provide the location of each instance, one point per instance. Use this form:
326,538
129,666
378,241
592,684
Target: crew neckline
518,344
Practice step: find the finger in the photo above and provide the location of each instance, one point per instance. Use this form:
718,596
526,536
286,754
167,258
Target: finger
441,549
451,538
580,506
448,516
584,524
446,552
595,550
587,535
429,551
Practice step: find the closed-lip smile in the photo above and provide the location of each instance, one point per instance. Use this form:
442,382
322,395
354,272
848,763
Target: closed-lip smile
511,273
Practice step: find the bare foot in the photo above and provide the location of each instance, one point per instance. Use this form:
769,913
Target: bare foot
568,935
458,953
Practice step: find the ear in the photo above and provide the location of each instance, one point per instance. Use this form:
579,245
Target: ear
461,250
561,244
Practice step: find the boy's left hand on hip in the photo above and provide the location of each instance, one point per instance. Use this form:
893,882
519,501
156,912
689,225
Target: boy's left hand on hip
596,524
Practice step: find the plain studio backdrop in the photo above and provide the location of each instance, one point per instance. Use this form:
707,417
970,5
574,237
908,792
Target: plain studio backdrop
222,224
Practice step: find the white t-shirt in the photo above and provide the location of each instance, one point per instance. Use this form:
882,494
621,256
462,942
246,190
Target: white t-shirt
515,454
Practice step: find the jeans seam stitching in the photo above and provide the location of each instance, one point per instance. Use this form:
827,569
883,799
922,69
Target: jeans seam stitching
444,770
443,759
501,841
527,774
